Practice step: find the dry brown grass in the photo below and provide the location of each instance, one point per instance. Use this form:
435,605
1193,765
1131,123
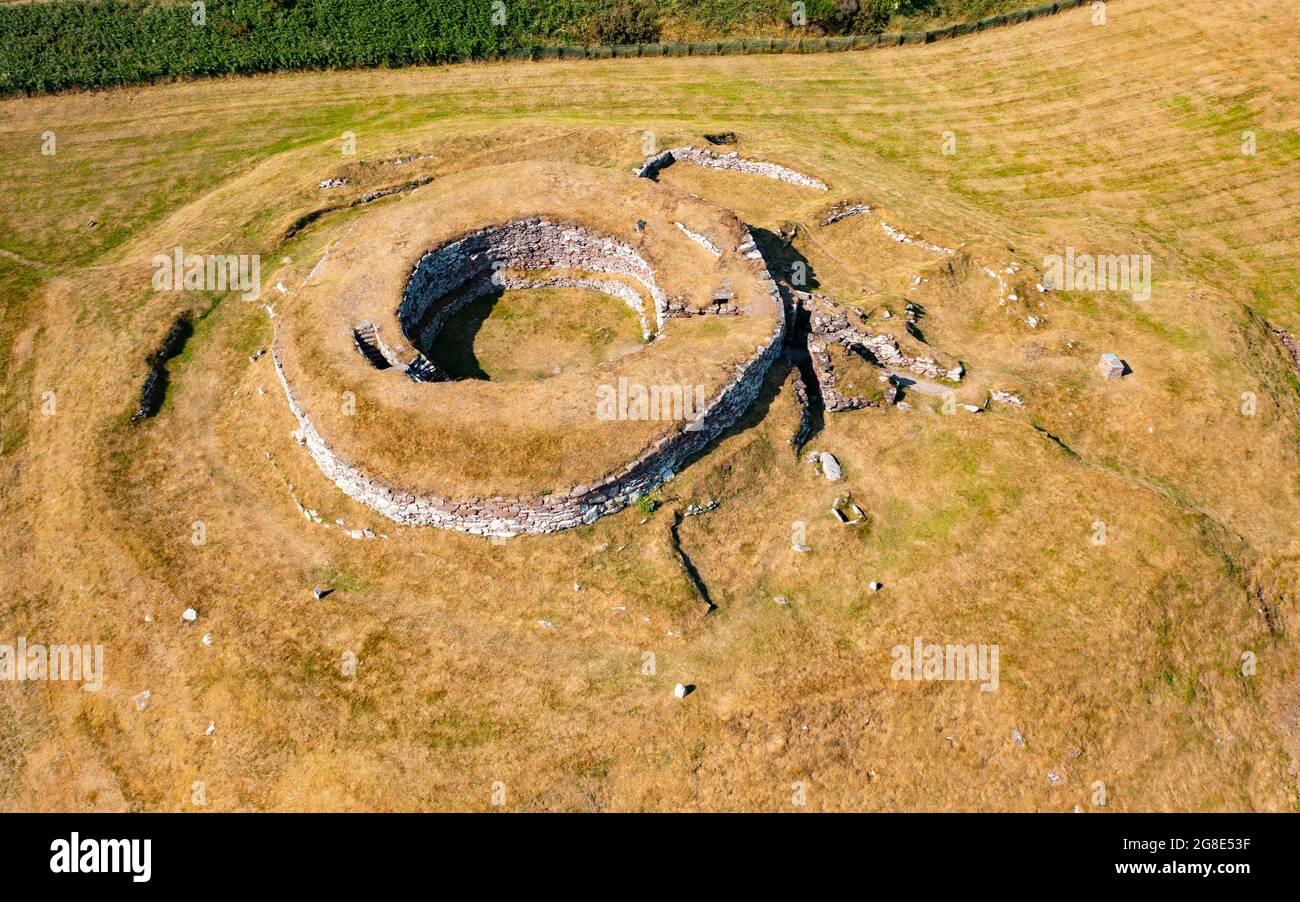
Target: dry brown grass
1119,662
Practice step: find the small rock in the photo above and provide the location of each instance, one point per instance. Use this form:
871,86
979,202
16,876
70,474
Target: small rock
1053,777
876,587
681,690
1017,739
802,549
189,615
546,624
780,599
142,700
212,728
207,639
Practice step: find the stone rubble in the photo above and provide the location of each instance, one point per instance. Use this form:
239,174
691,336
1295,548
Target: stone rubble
843,210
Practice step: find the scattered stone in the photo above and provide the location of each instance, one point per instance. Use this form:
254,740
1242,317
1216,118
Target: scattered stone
142,700
1018,739
721,138
1053,777
830,467
694,510
846,512
1111,366
207,639
971,408
190,615
780,599
802,549
1006,397
546,624
332,183
320,592
212,728
577,587
148,618
876,587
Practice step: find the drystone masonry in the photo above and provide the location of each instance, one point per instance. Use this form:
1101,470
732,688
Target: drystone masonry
728,162
432,297
536,244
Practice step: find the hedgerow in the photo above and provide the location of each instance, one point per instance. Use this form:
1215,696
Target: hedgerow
66,44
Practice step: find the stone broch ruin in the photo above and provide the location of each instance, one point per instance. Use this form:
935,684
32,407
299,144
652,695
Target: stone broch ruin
449,276
562,249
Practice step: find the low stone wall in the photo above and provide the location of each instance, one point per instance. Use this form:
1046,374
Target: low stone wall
728,162
519,244
828,322
486,284
536,244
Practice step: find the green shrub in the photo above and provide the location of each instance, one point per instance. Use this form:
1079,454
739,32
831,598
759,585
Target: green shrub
625,23
61,44
647,504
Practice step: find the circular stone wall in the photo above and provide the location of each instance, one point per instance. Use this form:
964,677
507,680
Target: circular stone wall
387,426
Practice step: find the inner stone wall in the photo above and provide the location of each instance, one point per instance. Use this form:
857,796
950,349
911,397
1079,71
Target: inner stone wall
526,244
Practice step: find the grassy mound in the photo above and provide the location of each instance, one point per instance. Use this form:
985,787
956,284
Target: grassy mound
1121,663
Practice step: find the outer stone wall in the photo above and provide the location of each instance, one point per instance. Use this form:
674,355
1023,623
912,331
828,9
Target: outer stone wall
729,162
